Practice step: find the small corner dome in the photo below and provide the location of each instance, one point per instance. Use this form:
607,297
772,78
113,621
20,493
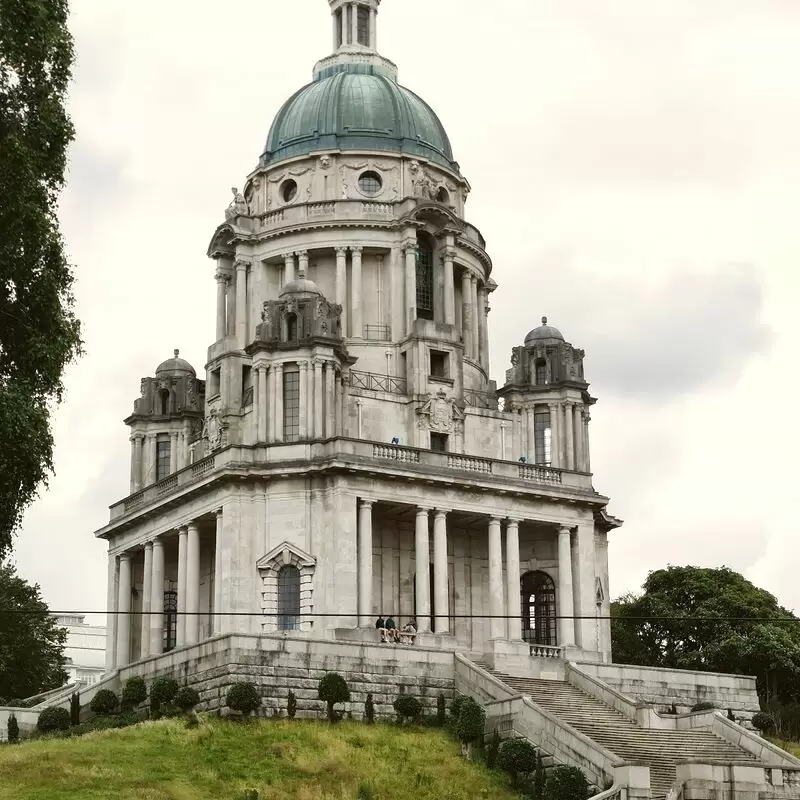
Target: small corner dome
544,332
300,286
175,367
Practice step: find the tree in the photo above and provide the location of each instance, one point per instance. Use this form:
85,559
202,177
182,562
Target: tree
162,693
291,705
13,729
39,333
470,725
243,697
104,702
333,689
134,693
369,710
407,708
517,757
53,719
187,698
539,778
31,643
566,783
75,709
696,620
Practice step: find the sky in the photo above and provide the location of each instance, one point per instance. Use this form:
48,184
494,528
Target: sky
634,169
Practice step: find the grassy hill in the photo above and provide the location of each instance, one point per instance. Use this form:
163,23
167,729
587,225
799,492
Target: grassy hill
297,760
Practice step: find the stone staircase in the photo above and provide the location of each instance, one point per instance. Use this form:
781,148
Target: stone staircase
660,750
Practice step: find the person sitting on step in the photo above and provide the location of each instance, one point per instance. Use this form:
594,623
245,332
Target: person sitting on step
380,625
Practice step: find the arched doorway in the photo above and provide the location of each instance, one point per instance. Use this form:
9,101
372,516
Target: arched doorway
538,597
288,598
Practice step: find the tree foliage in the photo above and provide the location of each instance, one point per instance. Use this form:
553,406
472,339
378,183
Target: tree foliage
12,727
31,644
104,702
407,707
39,333
333,689
517,757
53,719
134,693
243,697
697,620
566,783
187,698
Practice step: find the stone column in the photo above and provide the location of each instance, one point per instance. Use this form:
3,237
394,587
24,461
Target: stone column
365,564
411,285
578,428
530,416
288,273
373,28
112,598
344,24
355,292
475,316
241,303
565,605
222,291
341,281
569,443
330,399
173,452
278,404
449,287
302,263
587,455
441,623
354,23
157,599
483,327
124,612
180,637
230,314
466,314
139,468
423,570
555,436
269,404
496,610
513,595
261,403
152,460
217,618
318,397
306,430
147,588
503,434
133,464
336,29
192,584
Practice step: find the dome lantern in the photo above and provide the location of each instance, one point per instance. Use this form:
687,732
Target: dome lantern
175,367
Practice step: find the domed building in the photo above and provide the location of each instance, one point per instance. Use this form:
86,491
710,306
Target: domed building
348,457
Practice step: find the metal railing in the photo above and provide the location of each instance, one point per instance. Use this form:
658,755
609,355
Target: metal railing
477,399
373,382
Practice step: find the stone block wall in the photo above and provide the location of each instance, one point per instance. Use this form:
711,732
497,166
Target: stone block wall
280,664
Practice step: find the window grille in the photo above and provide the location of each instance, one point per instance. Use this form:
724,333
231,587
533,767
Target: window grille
162,456
170,620
538,598
289,598
291,405
542,436
424,281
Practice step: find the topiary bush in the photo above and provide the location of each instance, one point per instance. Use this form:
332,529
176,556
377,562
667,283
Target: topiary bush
333,689
407,708
763,722
369,710
162,693
705,706
13,729
455,706
104,702
291,705
134,693
492,750
539,777
469,728
244,698
566,783
517,757
186,699
441,710
75,709
53,719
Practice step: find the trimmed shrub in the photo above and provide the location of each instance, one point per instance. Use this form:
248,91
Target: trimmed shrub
407,708
455,706
53,719
441,710
539,777
162,693
369,710
517,757
75,709
566,783
134,693
763,723
13,729
186,699
469,728
705,706
333,689
492,750
291,705
243,697
104,702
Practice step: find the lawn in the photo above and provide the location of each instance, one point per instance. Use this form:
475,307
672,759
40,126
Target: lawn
297,760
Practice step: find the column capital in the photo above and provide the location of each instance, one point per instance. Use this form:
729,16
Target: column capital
442,512
449,253
341,252
218,513
513,521
423,511
317,362
148,544
302,254
495,520
302,365
563,530
366,503
221,277
357,250
288,257
183,529
278,367
191,525
410,244
241,265
125,555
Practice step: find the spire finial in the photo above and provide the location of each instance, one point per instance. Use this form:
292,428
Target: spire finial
544,320
177,352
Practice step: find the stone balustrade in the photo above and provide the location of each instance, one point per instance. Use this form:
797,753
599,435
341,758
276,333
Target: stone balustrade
546,651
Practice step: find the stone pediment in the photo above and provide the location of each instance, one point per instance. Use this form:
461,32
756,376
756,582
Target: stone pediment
283,555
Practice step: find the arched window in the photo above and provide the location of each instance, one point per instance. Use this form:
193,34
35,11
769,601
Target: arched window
538,608
288,598
291,327
170,618
424,277
542,435
541,372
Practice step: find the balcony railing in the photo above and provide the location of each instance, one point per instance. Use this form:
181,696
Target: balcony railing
372,382
546,651
477,399
471,468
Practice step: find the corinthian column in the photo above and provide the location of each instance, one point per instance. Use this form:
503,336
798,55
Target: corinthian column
124,612
341,282
578,428
449,287
180,636
513,608
288,261
466,313
302,263
157,599
147,587
483,327
318,397
475,316
306,430
422,558
569,461
411,285
192,583
365,564
555,436
241,303
497,623
441,623
565,604
262,403
330,399
278,403
222,280
357,311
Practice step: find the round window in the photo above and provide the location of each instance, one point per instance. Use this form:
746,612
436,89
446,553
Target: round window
370,183
288,191
442,196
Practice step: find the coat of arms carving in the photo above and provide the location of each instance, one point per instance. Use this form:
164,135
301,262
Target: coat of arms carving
440,413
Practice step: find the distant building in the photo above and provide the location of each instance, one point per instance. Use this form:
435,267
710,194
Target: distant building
85,650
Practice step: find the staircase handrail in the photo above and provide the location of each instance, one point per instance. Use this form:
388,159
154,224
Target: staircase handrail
616,792
619,702
770,754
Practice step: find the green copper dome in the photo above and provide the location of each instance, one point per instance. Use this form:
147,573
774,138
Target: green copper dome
356,107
